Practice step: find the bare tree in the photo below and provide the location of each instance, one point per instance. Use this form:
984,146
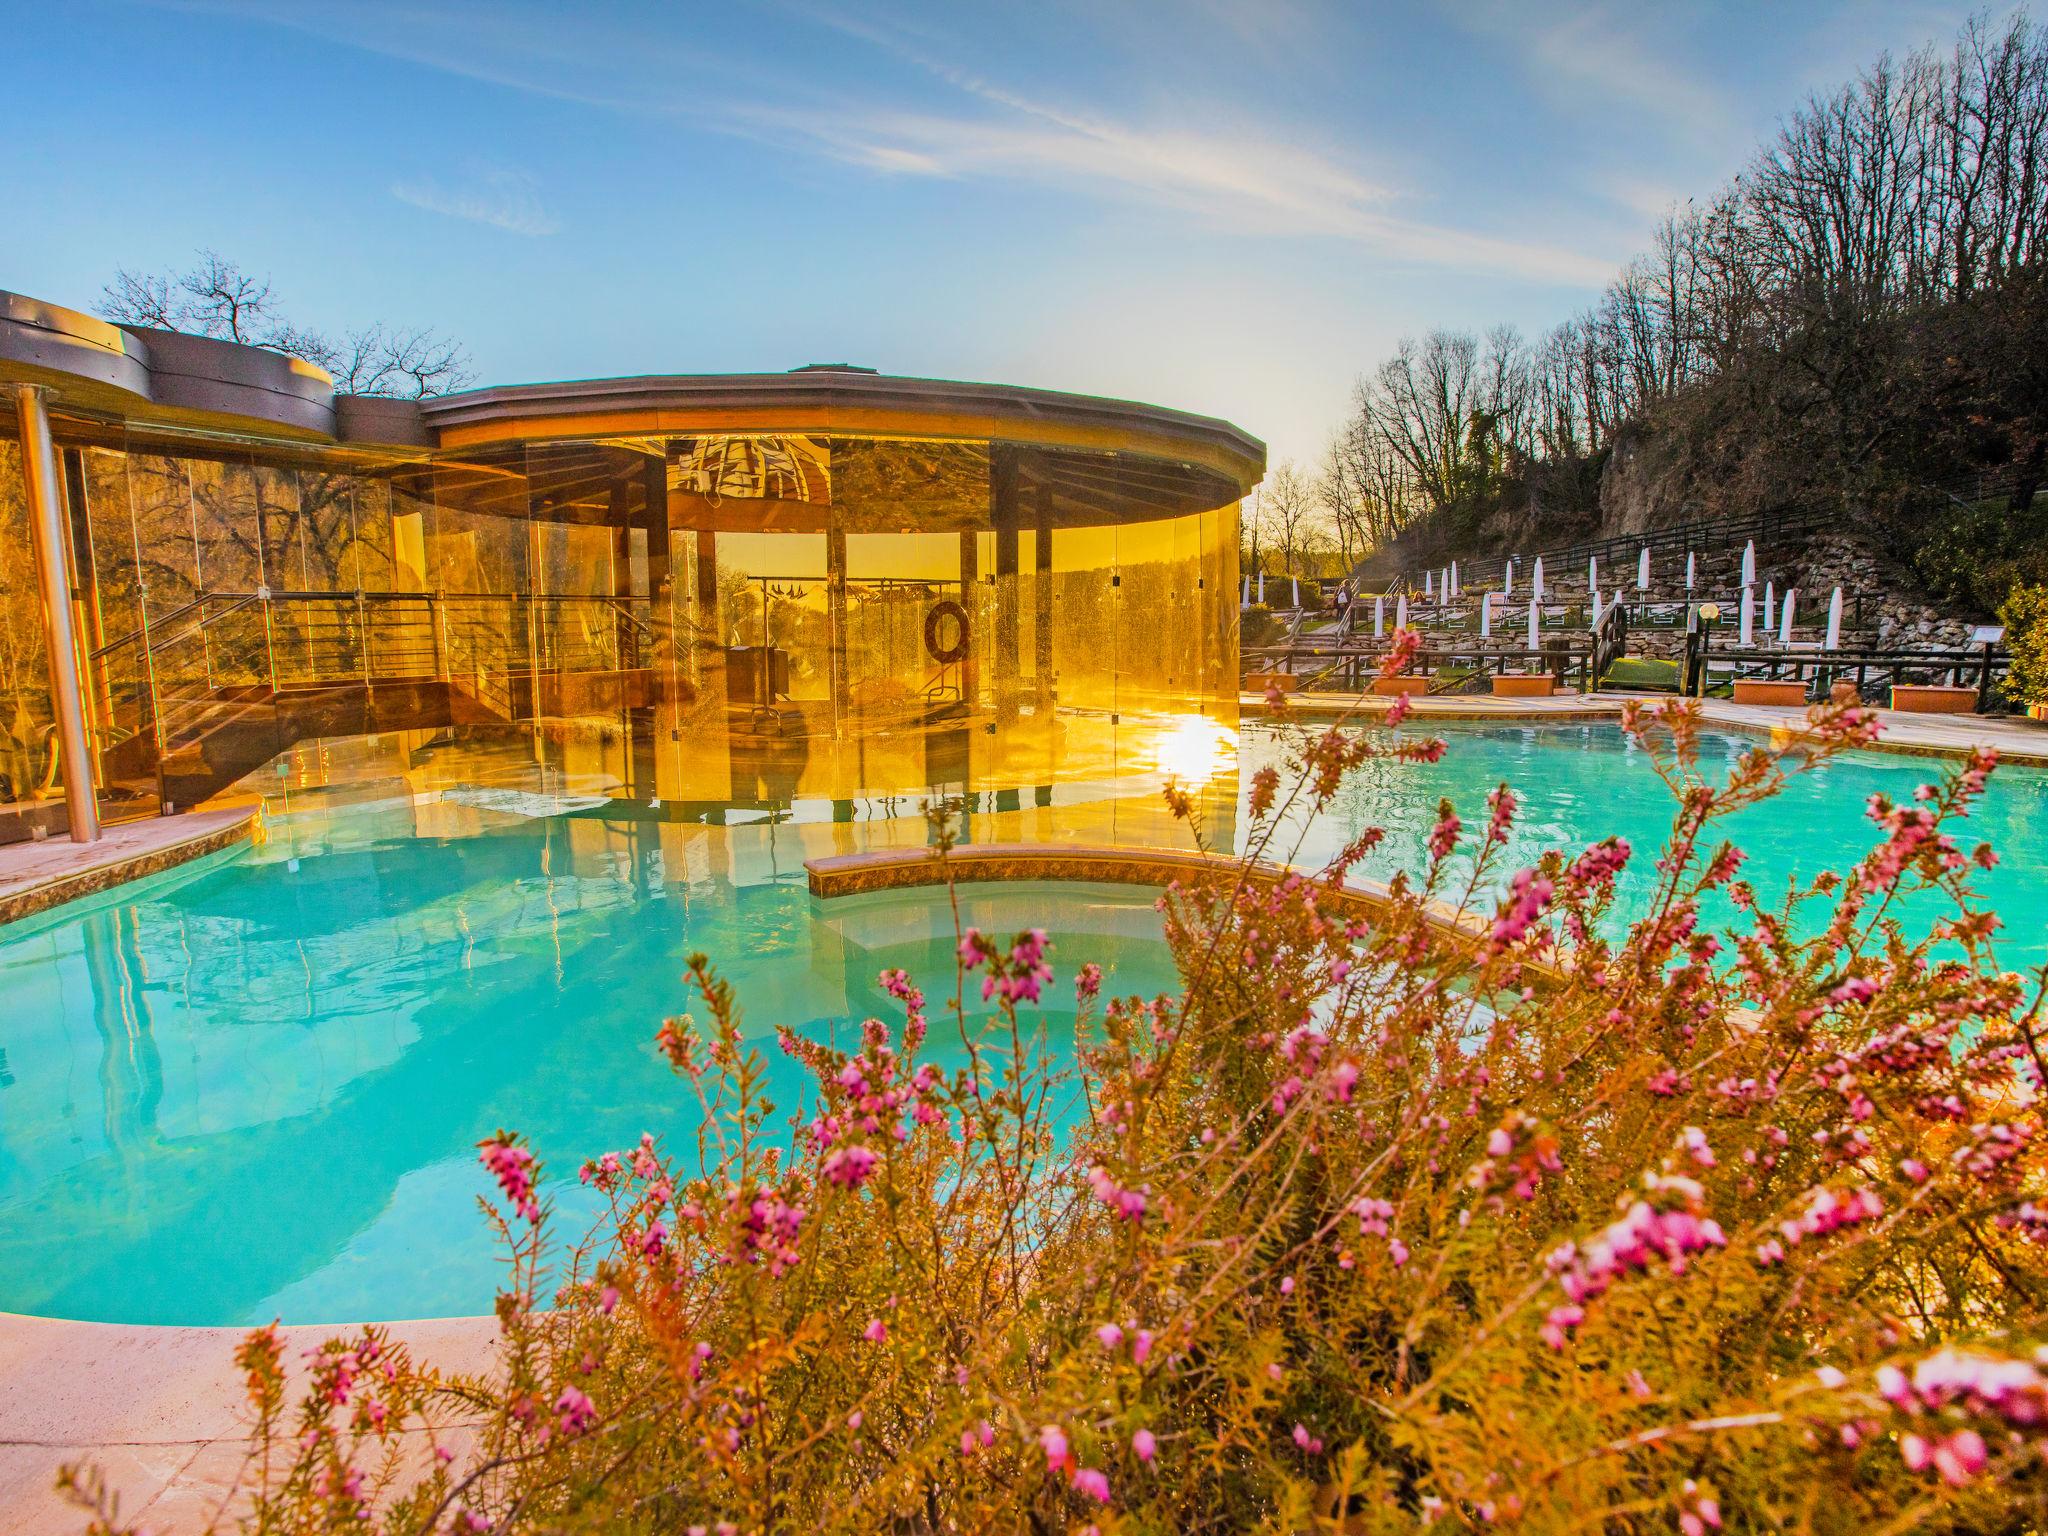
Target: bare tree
215,297
1287,503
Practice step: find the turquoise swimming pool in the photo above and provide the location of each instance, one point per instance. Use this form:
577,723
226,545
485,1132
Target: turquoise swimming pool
1581,782
251,1087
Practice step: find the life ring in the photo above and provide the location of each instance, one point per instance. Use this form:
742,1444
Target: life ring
945,654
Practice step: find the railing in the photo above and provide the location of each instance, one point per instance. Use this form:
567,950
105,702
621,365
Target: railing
1450,668
220,651
1819,670
1703,536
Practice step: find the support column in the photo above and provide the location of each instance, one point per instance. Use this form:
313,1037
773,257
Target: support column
1041,607
1003,513
53,563
841,680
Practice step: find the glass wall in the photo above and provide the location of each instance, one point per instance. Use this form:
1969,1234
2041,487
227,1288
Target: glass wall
766,631
31,787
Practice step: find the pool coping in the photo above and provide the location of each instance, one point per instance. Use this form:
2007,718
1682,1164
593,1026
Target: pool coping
127,851
894,869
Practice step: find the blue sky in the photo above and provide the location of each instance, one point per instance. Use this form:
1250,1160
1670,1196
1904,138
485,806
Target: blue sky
1230,206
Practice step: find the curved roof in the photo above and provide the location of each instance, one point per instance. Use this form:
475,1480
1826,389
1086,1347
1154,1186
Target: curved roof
175,381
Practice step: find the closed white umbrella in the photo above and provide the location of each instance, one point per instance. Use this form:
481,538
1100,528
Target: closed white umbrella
1770,606
1592,572
1748,616
1297,591
1247,591
1429,583
1262,586
1401,612
1785,617
1507,580
1596,608
1749,564
1834,641
1454,578
1643,570
1534,643
1536,588
1485,615
1379,615
1691,569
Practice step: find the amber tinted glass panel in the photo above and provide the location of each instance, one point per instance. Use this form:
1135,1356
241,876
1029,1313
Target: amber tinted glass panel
27,749
749,631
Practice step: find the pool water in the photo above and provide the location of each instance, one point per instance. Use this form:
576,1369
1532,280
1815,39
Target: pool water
1578,783
252,1087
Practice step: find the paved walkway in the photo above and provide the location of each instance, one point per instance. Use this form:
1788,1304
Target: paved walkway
158,1410
38,875
2018,740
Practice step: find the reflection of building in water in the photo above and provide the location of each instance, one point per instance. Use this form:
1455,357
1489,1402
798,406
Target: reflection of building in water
824,595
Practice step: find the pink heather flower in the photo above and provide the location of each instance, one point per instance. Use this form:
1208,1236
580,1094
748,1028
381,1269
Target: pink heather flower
974,948
849,1167
1444,836
1502,803
1287,1285
1528,895
1500,1143
1093,1483
1312,1444
608,1300
1343,1080
574,1412
1088,981
1397,1251
1141,1346
1109,1335
512,1165
876,1331
853,1419
1913,1169
1960,1457
1053,1441
1145,1445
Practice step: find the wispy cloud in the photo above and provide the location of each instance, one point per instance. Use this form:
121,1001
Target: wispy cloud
1249,178
507,200
1249,174
1596,55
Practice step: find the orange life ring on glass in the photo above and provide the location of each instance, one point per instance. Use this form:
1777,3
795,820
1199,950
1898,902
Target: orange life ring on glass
945,607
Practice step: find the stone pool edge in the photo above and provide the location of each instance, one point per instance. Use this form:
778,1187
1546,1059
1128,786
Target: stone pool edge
129,851
158,1409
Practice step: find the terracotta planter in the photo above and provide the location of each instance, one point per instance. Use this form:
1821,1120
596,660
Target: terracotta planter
1259,682
1931,699
1511,685
1845,693
1387,687
1769,690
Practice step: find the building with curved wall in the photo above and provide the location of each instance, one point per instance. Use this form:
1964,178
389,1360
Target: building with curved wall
826,595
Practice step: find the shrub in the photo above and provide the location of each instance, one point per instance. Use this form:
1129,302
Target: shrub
1257,626
1973,556
2025,616
1458,1211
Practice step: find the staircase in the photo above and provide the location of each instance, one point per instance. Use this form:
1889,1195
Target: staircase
217,688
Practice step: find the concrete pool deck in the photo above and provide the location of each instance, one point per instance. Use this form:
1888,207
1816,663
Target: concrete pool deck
2018,740
158,1410
35,876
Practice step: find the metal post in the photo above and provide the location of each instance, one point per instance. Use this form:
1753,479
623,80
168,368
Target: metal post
52,545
